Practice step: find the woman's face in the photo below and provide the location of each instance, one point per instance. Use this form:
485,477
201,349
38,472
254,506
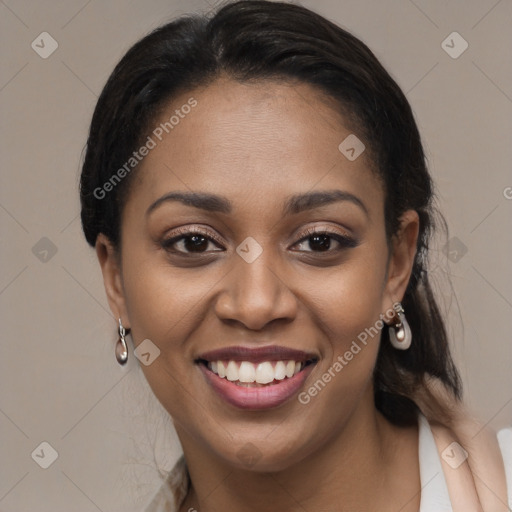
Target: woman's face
252,284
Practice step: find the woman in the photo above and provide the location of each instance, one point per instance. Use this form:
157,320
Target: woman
256,191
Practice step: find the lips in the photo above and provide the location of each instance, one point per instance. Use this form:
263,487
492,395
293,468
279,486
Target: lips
256,378
257,355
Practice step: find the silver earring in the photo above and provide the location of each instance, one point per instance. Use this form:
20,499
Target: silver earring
400,334
121,346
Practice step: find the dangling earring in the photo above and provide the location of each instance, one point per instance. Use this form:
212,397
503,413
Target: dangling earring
121,346
400,334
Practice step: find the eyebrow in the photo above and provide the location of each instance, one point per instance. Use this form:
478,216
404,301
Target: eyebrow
293,205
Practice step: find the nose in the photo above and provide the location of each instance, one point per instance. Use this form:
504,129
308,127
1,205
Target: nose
255,294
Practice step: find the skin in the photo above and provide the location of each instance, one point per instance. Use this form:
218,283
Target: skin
256,144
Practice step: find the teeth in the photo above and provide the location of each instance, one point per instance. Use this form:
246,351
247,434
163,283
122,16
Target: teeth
245,372
232,371
290,368
264,373
280,370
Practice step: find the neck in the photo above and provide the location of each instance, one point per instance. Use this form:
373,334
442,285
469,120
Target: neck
363,456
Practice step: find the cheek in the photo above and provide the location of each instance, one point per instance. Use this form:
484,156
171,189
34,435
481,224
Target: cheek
350,318
163,302
164,305
351,299
349,313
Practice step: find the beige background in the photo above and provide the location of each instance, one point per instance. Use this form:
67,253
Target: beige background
60,382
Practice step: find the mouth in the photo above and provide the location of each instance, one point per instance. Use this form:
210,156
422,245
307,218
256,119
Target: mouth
256,378
253,375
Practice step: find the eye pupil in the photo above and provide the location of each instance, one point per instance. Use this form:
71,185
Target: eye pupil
321,242
197,242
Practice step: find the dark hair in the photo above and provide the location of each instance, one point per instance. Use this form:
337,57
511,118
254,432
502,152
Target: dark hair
254,40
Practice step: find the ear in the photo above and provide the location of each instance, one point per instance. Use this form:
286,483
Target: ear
112,279
401,261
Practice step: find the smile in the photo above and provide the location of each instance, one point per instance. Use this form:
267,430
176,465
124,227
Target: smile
256,378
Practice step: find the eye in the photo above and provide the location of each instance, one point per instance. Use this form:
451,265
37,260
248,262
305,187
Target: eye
191,241
320,240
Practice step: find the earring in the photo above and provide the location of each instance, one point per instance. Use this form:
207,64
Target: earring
121,346
400,334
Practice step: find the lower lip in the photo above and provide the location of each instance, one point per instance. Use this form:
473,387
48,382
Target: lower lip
256,398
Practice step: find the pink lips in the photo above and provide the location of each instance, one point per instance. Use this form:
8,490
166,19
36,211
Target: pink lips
256,355
256,398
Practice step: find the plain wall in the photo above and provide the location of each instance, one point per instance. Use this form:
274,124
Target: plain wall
59,380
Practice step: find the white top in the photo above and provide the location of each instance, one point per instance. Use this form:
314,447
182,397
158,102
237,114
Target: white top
434,491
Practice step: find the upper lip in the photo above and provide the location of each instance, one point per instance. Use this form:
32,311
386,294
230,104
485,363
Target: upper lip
256,355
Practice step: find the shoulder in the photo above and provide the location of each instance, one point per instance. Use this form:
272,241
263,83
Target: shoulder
173,490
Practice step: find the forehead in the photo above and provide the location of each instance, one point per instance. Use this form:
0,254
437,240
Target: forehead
252,142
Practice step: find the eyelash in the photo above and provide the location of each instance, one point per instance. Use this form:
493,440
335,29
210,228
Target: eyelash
344,241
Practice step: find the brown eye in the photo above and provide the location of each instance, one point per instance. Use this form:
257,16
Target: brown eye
321,241
190,242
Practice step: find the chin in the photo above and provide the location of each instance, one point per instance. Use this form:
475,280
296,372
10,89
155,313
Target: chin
260,455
